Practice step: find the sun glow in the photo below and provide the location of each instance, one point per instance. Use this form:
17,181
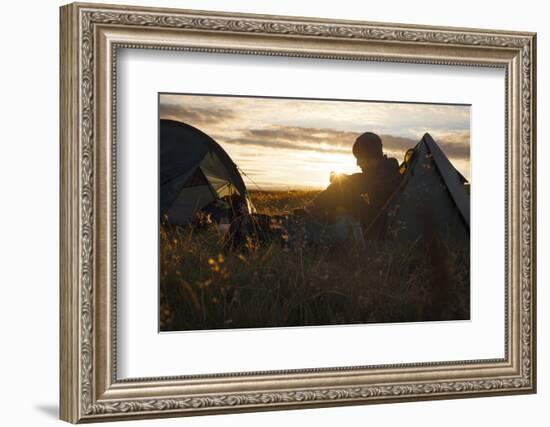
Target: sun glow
298,144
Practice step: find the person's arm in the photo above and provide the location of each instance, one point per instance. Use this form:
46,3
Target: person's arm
341,197
334,195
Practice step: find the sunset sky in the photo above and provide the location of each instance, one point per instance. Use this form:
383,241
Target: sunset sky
294,143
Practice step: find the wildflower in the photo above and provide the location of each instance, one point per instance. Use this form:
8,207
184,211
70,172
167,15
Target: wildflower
205,284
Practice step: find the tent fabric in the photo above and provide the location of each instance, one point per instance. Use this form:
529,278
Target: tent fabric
194,171
451,177
189,201
431,199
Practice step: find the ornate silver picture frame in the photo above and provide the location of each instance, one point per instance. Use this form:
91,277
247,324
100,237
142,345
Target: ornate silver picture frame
91,37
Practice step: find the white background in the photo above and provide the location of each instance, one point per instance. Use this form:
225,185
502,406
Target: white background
29,176
141,347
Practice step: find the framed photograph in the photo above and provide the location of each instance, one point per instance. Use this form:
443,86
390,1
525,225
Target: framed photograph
267,212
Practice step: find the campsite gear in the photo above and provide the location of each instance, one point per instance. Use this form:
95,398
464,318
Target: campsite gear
224,210
431,200
223,228
195,172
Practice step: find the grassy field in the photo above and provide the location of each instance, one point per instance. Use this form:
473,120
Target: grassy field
205,285
278,202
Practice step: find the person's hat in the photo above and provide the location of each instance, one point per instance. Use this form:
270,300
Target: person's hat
368,145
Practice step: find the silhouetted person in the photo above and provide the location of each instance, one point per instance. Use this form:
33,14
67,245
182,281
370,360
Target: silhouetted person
361,195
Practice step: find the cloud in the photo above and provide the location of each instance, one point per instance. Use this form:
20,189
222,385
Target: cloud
456,151
317,134
296,138
459,137
297,125
455,145
196,116
397,143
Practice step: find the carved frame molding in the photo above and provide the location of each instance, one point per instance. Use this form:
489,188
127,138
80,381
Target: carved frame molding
90,37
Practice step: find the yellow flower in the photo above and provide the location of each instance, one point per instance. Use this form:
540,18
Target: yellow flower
206,283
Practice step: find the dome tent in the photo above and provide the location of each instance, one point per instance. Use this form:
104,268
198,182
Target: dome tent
194,172
432,199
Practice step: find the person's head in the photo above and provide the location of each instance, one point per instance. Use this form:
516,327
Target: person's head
367,149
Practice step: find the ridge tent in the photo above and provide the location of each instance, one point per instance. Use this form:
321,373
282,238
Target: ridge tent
194,172
432,198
